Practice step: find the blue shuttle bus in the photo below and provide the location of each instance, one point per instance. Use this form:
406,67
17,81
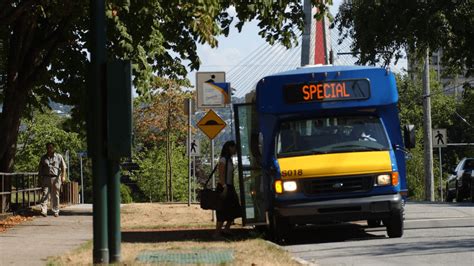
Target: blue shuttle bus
322,144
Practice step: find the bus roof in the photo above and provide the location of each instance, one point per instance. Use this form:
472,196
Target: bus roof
271,96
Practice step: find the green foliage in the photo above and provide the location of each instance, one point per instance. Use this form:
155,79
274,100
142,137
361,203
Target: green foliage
151,176
48,43
411,112
125,194
39,130
383,29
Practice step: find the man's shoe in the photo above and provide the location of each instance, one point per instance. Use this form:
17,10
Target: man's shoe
56,214
44,214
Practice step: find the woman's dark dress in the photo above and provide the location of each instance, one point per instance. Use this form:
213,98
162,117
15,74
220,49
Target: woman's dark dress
231,207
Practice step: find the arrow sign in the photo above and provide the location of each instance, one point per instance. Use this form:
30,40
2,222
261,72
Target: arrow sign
211,124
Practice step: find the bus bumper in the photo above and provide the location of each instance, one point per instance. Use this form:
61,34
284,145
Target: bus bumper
350,209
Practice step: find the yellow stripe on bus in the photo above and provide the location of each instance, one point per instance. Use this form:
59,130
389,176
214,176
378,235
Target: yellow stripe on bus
335,164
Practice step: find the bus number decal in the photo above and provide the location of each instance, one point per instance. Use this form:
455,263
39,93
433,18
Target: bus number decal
295,172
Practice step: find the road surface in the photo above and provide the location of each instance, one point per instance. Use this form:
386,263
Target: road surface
435,234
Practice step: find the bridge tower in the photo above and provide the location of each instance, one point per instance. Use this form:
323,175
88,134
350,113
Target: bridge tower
316,42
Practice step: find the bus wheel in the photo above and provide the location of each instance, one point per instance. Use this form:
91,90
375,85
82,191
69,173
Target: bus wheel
372,223
279,227
395,225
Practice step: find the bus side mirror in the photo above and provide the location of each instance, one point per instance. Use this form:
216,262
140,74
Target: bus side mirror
409,136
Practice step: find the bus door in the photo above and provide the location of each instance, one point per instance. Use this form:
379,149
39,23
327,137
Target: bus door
250,172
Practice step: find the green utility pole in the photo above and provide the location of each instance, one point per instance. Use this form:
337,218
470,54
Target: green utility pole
96,130
114,211
119,142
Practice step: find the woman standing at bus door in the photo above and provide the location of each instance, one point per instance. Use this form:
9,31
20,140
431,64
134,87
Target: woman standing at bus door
230,207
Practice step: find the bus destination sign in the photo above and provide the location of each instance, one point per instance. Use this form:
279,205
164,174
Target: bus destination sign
327,91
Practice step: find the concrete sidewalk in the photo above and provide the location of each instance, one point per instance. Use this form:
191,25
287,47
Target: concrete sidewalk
30,243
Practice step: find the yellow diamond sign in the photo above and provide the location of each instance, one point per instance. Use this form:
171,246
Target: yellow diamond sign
211,124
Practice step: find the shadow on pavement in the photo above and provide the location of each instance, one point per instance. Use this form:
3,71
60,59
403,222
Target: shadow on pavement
332,233
75,213
166,235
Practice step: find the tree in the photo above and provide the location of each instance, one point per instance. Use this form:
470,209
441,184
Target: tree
381,30
152,176
160,119
47,46
411,110
39,130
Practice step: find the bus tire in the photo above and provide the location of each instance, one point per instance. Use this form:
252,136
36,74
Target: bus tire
395,225
279,228
372,223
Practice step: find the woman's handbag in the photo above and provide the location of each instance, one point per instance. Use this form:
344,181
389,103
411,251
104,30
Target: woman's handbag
211,199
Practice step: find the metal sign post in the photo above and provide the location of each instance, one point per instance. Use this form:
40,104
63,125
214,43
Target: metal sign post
82,175
440,174
82,180
194,179
189,151
213,176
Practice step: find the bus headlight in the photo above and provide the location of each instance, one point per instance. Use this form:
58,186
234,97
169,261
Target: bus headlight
384,180
289,186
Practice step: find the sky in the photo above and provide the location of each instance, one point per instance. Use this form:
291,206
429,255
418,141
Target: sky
234,48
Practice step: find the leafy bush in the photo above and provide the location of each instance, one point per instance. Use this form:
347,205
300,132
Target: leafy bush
125,194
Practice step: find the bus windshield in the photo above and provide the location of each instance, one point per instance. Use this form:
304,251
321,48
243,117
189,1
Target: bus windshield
331,135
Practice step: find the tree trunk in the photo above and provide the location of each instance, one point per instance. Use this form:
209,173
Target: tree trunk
166,172
13,106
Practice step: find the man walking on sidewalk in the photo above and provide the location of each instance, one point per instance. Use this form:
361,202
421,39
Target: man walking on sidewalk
52,172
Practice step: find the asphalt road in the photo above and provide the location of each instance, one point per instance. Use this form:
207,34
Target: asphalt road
435,234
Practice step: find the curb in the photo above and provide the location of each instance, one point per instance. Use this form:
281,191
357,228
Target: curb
296,259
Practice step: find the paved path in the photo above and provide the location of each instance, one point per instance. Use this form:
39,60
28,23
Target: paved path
435,234
31,243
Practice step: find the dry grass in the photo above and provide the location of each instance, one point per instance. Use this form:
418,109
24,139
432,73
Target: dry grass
157,215
246,252
177,227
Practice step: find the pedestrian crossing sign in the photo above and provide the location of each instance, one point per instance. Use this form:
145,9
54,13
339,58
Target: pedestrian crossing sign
211,124
440,138
194,148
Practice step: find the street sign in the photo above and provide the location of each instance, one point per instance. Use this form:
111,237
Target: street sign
207,95
211,124
195,147
440,138
215,95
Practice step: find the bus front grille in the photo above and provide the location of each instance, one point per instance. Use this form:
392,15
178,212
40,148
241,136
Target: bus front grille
330,185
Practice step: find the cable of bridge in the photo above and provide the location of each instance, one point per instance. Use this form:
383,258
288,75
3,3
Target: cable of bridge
245,82
249,72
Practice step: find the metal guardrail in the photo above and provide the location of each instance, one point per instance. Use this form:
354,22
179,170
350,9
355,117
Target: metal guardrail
19,191
23,190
